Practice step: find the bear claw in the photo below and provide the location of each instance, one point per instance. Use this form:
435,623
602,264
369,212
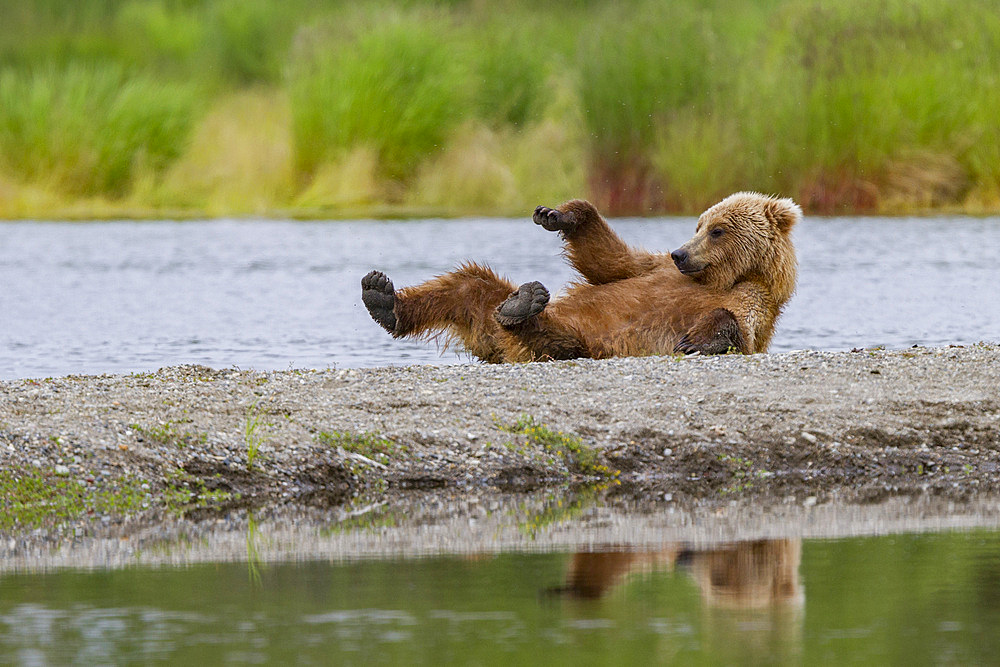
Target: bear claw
379,297
719,344
686,346
554,220
529,300
717,333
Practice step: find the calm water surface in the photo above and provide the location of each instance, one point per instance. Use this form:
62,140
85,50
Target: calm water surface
902,599
125,296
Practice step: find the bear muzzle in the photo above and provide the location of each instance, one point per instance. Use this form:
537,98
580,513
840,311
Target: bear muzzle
682,259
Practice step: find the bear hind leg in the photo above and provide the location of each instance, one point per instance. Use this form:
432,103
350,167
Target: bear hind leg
379,297
528,301
459,304
532,333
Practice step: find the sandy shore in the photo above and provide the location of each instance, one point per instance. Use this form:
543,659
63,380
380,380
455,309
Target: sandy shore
800,427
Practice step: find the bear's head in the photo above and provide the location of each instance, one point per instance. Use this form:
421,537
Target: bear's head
746,236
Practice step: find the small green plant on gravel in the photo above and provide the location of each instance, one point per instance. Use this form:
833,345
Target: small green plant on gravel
368,444
569,448
728,458
253,432
743,476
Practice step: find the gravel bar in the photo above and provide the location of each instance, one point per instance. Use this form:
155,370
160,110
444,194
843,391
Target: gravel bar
692,434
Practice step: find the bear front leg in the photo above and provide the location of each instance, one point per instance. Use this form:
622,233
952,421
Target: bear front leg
717,332
554,220
592,246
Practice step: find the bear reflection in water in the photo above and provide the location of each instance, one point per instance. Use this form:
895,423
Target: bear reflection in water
745,575
721,291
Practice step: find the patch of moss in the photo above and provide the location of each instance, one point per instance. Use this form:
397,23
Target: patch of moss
569,448
35,498
42,498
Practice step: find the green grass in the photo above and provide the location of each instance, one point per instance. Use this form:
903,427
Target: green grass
90,129
351,88
254,432
641,106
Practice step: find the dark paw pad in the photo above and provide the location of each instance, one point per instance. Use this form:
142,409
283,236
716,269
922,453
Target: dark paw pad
379,298
529,300
717,333
553,220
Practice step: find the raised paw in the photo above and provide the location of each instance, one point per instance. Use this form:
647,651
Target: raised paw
715,333
379,298
529,300
554,220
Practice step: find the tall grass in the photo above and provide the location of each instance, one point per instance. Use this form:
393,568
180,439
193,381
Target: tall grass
90,129
238,160
392,82
465,106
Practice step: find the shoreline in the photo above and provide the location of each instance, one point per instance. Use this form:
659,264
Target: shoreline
800,428
114,212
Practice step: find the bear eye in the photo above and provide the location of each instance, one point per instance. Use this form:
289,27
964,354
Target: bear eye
716,233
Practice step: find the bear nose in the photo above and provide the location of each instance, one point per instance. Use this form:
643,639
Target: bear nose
679,256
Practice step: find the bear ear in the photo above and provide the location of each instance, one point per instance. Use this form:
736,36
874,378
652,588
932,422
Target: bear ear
783,213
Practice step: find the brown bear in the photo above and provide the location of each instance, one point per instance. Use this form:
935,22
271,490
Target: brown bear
721,291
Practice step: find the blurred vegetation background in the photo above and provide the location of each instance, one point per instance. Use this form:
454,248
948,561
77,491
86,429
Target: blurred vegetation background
396,107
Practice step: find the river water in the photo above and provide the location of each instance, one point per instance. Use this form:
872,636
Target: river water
107,297
890,600
111,297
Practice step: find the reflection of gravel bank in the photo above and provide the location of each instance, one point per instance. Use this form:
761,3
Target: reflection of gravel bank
425,523
804,425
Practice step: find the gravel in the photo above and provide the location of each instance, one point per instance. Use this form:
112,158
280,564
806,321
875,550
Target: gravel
854,427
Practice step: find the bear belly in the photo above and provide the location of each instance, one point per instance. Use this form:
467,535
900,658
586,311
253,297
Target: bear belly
636,316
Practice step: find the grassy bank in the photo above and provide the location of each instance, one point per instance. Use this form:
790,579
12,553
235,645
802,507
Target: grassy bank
194,107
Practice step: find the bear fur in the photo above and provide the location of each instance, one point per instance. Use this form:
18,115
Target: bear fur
722,291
